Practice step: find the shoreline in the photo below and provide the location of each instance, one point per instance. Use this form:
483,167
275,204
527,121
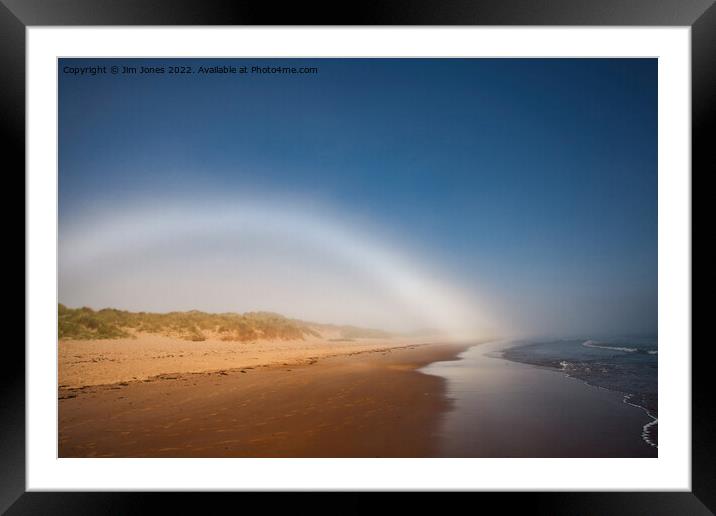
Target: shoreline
509,408
627,397
646,429
369,403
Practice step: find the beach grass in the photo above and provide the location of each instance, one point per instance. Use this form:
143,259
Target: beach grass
109,323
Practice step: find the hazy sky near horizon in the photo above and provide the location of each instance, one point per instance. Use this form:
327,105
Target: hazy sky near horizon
523,191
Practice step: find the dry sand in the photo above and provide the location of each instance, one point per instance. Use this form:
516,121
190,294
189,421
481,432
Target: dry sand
100,362
169,398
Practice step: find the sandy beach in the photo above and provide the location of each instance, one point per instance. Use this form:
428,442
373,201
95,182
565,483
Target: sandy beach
212,399
99,362
164,397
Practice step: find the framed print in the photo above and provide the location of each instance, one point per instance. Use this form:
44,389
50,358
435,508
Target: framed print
440,249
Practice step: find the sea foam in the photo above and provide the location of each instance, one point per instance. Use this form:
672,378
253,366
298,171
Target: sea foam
594,344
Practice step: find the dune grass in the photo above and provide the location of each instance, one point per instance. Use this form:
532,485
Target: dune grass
109,323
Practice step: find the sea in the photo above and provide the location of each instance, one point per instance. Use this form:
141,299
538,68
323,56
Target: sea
627,365
553,398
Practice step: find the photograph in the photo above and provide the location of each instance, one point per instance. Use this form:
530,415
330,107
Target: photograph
358,257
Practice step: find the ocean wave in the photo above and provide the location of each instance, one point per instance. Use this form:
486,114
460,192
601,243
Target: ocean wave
594,344
646,431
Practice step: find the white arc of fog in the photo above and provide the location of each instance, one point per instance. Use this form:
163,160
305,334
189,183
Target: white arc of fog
135,230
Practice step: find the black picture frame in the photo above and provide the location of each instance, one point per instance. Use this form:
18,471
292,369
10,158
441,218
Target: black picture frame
16,15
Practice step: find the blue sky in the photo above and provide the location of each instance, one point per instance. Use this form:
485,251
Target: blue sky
532,181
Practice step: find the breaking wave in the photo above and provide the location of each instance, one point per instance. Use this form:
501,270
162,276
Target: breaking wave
595,344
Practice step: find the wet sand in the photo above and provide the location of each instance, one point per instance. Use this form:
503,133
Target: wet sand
370,403
510,409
